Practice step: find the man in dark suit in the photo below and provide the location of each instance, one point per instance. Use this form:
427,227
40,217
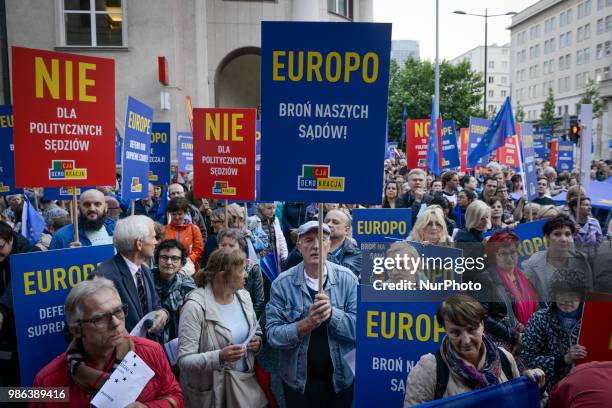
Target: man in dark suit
134,239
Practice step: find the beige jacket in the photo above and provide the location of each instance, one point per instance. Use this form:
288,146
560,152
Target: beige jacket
421,383
202,335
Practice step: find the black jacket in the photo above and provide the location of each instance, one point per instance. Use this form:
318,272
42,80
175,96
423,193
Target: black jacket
117,270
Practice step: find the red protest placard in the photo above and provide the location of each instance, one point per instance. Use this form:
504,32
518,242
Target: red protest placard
554,150
596,328
64,112
224,153
417,134
508,155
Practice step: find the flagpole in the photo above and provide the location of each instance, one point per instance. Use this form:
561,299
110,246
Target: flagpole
437,66
226,217
522,170
320,238
75,216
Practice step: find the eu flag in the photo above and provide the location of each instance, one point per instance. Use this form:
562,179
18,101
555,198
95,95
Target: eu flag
32,223
433,142
495,137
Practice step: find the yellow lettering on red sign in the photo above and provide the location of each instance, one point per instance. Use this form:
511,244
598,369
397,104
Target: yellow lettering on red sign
224,126
51,81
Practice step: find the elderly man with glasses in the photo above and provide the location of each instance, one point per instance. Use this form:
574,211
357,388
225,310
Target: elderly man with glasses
96,318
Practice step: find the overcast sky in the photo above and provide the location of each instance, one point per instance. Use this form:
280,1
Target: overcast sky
415,20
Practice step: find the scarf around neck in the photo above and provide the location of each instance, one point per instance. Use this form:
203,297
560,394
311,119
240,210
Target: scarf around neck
91,379
471,376
524,295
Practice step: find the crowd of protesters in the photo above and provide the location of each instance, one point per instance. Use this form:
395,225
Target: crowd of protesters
238,286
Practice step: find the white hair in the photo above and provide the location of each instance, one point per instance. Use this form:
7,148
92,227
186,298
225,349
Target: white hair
81,291
474,212
130,229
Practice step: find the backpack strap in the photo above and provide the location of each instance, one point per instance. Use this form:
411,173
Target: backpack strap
505,365
442,374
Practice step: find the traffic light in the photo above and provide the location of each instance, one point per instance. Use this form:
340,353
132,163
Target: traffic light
574,131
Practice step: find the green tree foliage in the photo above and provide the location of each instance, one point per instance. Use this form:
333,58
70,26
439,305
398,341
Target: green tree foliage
591,95
413,86
547,117
519,113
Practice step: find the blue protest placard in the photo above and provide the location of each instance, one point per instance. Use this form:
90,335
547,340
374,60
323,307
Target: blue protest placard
392,335
159,158
530,184
324,103
391,152
450,151
7,157
41,283
539,144
136,148
523,392
532,239
62,193
118,147
381,224
257,159
477,128
565,155
184,151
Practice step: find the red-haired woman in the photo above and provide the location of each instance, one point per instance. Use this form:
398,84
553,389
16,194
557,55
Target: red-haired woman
507,295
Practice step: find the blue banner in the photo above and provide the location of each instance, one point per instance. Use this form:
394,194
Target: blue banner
392,335
42,282
530,184
62,193
159,159
257,159
478,127
7,157
184,152
136,148
391,152
539,145
118,147
519,392
532,239
381,224
324,103
450,151
565,155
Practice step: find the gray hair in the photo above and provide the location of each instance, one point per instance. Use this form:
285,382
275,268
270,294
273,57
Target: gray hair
81,291
232,233
475,211
130,229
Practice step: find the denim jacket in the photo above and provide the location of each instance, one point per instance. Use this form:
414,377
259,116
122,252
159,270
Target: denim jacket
290,302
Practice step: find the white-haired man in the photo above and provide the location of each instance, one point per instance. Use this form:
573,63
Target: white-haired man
135,242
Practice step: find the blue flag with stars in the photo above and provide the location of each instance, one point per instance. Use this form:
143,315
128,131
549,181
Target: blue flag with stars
433,142
32,223
495,137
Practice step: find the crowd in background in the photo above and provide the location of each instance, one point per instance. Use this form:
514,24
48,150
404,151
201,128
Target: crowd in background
237,284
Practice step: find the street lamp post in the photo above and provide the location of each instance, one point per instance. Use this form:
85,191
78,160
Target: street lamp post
486,16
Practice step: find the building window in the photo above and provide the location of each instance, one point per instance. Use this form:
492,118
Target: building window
606,73
93,23
341,7
609,23
504,65
579,57
491,64
491,93
587,31
504,51
491,79
600,4
504,79
587,55
504,93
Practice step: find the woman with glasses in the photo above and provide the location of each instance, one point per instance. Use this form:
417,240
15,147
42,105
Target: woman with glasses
172,287
507,295
550,341
182,229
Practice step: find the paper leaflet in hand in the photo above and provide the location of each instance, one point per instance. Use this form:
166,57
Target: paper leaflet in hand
140,330
125,383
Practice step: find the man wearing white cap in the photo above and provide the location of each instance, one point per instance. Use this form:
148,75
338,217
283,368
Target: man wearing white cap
313,331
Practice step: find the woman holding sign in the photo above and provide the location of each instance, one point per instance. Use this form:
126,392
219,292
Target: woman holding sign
550,341
467,360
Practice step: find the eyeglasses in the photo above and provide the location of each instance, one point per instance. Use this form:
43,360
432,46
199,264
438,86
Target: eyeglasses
173,259
507,254
107,318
